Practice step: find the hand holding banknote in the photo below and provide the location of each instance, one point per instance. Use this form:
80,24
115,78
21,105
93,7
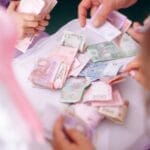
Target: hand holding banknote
69,139
102,8
28,24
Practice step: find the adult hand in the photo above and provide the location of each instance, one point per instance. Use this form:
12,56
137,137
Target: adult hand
106,7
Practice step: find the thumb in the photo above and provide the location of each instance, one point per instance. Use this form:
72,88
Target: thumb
76,136
101,14
13,5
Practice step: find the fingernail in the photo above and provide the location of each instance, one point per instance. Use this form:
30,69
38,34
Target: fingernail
96,23
132,73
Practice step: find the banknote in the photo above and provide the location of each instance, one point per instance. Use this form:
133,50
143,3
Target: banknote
68,54
74,40
44,72
106,31
106,51
119,20
98,91
91,116
71,120
74,89
101,70
112,69
117,100
117,114
52,72
93,71
129,46
83,60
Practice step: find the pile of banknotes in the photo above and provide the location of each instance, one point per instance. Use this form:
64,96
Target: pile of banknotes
86,74
36,7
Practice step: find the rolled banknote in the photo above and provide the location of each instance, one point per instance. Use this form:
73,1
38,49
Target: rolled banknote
74,40
116,114
88,114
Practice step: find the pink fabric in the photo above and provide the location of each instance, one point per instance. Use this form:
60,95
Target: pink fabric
7,41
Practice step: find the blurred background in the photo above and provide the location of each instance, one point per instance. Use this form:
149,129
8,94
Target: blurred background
66,10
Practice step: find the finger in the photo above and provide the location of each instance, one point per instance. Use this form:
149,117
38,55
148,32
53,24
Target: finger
43,23
30,24
147,20
30,17
83,7
76,136
48,17
40,28
29,32
137,76
133,32
93,11
58,133
13,5
134,65
101,15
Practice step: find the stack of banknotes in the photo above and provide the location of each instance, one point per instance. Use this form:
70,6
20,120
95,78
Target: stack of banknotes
36,7
85,74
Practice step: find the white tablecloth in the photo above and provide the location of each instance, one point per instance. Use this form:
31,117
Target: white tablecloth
108,136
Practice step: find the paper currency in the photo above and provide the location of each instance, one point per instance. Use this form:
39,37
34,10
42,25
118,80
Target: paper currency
120,21
72,121
53,71
88,114
106,31
116,114
112,69
93,71
117,100
74,90
109,51
44,72
74,40
128,45
100,70
83,60
98,91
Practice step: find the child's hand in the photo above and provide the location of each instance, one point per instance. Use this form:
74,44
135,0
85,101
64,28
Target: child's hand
27,23
77,140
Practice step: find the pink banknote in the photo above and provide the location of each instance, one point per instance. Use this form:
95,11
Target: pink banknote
117,100
91,116
98,92
52,72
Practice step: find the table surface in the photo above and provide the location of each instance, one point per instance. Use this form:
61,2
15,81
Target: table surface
108,135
